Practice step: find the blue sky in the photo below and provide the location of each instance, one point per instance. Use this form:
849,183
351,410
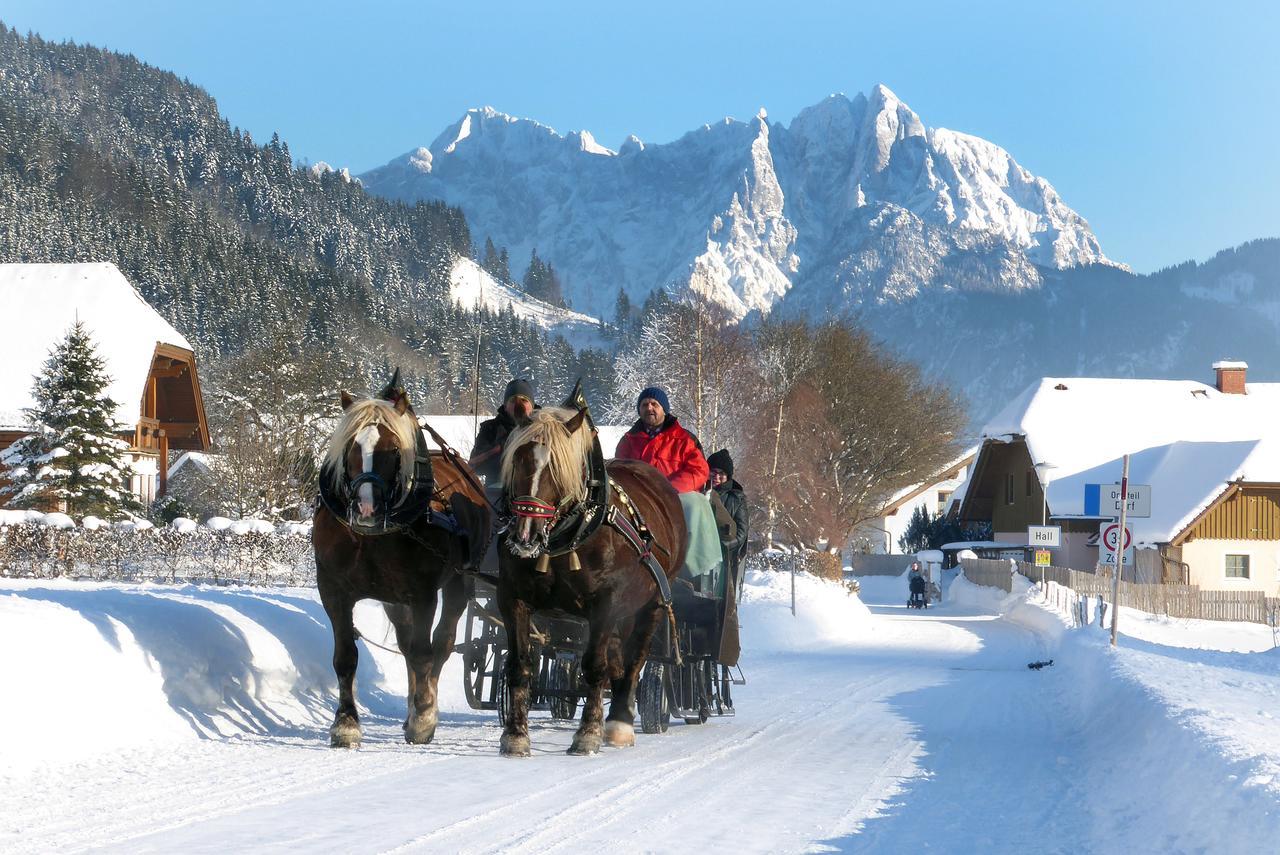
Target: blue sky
1158,122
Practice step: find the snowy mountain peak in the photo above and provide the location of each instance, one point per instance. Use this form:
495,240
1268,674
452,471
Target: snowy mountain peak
631,145
588,143
856,200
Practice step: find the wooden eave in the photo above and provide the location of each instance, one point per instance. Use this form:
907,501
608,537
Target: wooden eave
892,508
1231,490
164,366
1225,496
975,477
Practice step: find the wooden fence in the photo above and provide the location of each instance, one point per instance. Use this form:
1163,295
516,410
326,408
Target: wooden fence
1179,601
990,572
880,565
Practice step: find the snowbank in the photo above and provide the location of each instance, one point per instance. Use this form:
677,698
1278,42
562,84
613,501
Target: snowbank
827,615
58,520
171,664
252,526
1021,606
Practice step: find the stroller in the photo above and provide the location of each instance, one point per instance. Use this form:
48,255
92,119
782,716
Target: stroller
919,597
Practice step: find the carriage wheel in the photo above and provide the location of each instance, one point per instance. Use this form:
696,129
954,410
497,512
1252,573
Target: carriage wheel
562,689
655,709
700,685
501,693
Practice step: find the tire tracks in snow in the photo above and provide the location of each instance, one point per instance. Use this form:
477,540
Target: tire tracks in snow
642,781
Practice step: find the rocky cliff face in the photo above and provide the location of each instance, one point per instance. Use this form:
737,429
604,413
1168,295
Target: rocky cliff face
855,201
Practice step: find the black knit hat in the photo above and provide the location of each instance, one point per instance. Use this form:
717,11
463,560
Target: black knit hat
519,387
722,461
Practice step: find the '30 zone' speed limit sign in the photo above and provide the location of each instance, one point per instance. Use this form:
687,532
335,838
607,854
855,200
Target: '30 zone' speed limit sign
1108,539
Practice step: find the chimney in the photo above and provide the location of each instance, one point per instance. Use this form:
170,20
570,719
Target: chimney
1231,377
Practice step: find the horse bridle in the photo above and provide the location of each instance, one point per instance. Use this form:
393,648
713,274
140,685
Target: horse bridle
382,500
531,507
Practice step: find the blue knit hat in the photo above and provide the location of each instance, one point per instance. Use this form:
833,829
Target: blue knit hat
658,395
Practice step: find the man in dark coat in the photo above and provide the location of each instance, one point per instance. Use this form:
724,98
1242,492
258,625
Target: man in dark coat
486,454
735,502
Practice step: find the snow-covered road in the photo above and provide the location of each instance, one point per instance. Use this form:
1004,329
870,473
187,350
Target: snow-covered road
886,731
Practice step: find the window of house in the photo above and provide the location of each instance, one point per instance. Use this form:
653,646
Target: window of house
1008,488
1237,566
1030,481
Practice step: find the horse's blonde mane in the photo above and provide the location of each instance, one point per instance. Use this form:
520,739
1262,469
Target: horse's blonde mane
565,451
357,417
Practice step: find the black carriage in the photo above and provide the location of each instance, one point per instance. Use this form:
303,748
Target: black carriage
694,686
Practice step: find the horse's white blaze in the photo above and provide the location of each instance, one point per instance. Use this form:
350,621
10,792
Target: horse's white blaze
540,458
367,439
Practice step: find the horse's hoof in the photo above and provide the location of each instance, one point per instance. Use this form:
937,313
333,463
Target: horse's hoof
345,733
619,734
513,746
420,730
585,744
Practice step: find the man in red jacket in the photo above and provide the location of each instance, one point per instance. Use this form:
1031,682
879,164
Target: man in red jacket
659,440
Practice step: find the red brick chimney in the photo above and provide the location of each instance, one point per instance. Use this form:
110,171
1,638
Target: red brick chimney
1231,377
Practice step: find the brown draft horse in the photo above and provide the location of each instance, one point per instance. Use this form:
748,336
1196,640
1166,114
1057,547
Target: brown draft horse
408,570
545,461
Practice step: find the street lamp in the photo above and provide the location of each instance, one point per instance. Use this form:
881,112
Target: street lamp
1042,469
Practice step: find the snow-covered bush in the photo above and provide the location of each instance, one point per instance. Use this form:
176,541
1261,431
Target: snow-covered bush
137,551
824,565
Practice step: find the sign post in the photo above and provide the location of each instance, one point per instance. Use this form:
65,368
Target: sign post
1120,547
1044,538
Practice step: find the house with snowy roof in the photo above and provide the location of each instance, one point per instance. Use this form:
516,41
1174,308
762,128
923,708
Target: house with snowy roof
152,366
880,536
1210,455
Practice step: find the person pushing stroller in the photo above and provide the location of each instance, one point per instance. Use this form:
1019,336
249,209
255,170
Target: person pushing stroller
919,588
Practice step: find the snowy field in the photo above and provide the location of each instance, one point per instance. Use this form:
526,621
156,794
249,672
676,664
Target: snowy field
144,718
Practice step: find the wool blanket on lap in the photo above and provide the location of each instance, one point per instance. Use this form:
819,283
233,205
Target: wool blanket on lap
703,554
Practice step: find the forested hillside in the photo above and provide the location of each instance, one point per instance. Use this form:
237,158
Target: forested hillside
105,158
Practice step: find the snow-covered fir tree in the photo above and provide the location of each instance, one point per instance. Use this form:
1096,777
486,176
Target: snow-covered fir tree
73,455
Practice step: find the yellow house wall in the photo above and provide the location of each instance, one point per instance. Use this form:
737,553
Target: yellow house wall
1207,560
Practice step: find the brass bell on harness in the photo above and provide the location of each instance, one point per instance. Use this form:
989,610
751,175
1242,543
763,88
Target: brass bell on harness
574,564
544,563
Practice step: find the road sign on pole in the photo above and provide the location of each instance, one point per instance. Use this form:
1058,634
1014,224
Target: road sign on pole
1044,536
1108,540
1043,557
1103,500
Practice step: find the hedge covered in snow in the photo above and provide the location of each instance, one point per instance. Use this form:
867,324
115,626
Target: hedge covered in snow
222,551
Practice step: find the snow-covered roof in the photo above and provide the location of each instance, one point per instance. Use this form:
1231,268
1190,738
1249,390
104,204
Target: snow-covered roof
942,476
1185,439
43,301
198,459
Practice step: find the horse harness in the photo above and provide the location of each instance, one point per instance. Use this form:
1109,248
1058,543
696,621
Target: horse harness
399,517
576,518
